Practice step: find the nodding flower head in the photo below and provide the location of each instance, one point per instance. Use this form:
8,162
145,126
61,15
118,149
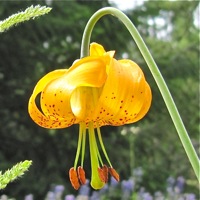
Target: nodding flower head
95,91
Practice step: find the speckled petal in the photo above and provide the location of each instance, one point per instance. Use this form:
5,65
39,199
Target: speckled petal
123,95
46,121
57,99
145,107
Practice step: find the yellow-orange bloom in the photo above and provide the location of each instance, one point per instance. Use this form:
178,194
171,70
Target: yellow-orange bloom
95,91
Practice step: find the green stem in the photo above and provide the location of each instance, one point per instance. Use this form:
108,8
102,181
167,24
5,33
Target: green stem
183,135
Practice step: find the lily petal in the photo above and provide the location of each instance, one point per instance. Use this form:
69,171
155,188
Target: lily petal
96,49
91,73
38,117
123,94
88,71
145,107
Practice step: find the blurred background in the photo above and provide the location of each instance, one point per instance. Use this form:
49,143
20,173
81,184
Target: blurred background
32,49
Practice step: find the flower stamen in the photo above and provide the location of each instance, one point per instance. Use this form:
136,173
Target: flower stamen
81,175
102,146
105,171
79,145
113,173
73,176
103,174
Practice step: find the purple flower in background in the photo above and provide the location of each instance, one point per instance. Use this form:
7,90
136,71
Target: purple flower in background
180,183
170,186
70,197
50,196
127,188
84,189
128,185
113,182
137,174
95,196
159,196
190,197
141,191
147,196
28,197
59,189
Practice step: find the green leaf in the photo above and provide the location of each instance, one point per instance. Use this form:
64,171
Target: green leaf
30,13
13,173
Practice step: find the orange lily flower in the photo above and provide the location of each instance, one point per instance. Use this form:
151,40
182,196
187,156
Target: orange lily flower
95,91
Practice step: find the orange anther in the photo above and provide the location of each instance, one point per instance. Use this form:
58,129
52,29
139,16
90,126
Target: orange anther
105,171
81,175
113,173
101,174
74,178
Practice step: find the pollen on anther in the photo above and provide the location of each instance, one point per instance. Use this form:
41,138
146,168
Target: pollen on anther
81,175
73,176
114,174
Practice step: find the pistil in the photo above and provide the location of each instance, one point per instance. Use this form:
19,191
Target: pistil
96,182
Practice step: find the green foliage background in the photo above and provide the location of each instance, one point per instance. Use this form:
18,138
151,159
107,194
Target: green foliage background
30,50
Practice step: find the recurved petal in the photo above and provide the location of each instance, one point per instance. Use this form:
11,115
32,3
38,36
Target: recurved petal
96,49
45,120
57,99
55,102
123,95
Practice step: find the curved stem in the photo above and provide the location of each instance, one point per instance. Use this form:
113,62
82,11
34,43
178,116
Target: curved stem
183,135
